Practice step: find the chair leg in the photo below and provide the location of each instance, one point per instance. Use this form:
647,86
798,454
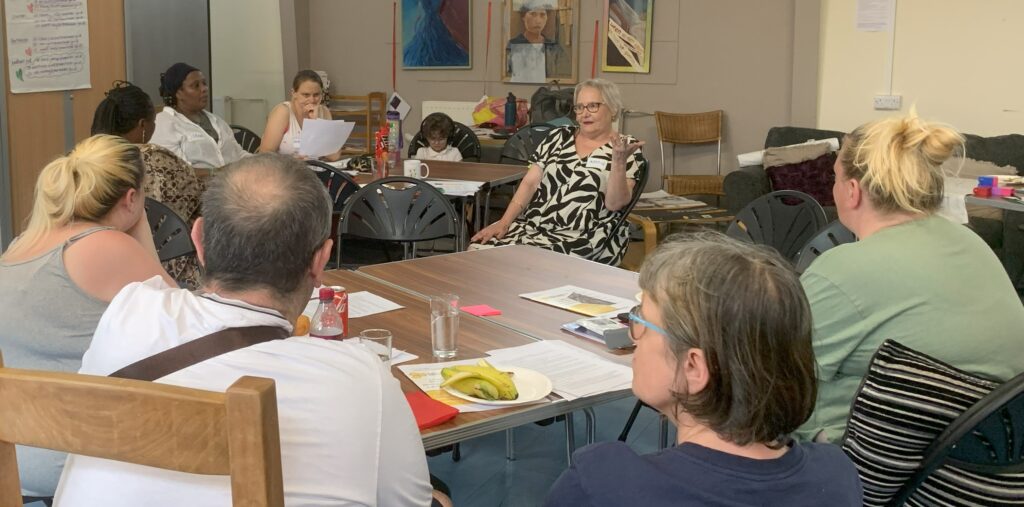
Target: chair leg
570,438
591,420
510,444
630,421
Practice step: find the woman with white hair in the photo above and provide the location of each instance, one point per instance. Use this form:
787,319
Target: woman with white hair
578,178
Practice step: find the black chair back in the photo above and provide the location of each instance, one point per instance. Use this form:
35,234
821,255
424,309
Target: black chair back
399,209
638,188
248,139
463,139
988,438
784,220
339,185
833,235
520,146
170,232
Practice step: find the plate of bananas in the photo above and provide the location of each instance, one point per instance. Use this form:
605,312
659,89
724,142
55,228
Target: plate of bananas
483,383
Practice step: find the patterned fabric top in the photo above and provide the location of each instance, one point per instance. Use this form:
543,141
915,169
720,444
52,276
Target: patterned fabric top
173,182
567,213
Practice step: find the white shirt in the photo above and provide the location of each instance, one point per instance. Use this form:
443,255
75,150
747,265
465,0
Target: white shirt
190,142
449,154
348,436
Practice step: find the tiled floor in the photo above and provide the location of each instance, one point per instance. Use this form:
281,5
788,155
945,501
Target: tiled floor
483,477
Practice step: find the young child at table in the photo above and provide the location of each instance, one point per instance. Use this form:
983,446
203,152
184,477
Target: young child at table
435,130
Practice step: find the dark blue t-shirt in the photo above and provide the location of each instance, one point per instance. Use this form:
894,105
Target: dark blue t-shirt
611,474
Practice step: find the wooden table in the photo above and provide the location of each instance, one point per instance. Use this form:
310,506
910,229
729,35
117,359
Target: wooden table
496,276
995,202
410,328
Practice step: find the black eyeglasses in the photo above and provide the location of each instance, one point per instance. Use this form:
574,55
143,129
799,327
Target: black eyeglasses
636,320
591,107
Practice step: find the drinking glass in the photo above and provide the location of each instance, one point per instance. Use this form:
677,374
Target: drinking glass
444,325
378,341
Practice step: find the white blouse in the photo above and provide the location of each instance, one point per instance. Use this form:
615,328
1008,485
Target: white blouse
190,142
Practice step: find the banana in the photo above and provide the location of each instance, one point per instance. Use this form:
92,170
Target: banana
501,380
478,387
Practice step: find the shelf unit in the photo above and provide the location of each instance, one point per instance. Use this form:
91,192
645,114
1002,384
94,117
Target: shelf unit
368,113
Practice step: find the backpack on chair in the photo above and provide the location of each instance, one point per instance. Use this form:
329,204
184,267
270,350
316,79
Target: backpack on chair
547,104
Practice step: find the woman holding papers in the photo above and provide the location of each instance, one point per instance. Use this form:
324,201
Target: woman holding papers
185,127
723,350
579,177
284,125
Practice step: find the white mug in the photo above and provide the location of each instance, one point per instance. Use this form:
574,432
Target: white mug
411,169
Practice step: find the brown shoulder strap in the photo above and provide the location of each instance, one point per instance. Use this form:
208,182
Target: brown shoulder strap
198,350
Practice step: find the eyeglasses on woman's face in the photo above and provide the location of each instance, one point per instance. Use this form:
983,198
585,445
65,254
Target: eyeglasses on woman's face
638,325
591,107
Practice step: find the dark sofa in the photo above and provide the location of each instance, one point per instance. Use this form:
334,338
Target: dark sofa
1006,237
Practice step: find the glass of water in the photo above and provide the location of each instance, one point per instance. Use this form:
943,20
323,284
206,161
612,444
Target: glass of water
444,325
378,341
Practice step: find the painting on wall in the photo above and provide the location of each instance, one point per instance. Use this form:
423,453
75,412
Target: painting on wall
627,46
541,41
436,34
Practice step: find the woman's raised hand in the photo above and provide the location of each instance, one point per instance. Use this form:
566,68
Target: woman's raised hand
622,148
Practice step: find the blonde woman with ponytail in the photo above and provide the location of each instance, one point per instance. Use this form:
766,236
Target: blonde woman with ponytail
914,276
87,237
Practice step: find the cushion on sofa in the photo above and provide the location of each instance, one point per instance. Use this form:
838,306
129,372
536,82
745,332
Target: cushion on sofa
794,154
814,177
959,167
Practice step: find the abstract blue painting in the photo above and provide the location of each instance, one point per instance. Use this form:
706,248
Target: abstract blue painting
436,34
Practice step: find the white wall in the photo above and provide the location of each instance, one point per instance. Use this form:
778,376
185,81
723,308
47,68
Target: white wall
959,61
246,55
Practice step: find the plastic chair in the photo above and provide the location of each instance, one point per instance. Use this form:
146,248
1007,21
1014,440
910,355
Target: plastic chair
232,433
520,146
988,438
463,138
643,171
171,234
833,235
402,210
248,139
339,184
784,220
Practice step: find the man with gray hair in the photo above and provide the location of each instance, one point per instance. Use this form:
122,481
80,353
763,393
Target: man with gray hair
347,433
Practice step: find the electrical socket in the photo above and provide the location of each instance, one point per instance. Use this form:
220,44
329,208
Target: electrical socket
888,102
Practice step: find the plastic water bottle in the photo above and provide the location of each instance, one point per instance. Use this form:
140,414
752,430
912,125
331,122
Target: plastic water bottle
326,322
510,112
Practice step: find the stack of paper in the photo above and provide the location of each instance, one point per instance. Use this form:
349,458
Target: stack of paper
664,200
574,372
360,304
459,188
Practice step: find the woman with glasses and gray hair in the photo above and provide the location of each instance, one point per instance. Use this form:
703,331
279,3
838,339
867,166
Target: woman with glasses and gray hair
579,177
723,350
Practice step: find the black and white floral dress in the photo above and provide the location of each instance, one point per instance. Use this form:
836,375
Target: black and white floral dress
567,213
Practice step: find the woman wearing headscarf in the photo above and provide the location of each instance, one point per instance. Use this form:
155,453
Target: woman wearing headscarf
186,128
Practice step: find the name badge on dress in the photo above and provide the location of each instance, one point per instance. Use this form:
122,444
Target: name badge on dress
597,163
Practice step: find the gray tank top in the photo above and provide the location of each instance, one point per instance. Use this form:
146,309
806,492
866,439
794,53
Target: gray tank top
46,323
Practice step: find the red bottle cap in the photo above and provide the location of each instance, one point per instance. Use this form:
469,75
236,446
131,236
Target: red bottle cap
326,294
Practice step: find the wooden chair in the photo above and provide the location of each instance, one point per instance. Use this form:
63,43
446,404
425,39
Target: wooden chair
169,427
690,128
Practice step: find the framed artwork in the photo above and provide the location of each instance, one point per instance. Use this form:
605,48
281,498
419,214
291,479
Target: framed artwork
627,45
436,34
540,42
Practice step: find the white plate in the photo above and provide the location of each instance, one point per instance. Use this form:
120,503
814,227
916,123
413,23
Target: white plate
532,386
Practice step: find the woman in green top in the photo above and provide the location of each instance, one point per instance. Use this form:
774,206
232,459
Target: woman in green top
913,277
